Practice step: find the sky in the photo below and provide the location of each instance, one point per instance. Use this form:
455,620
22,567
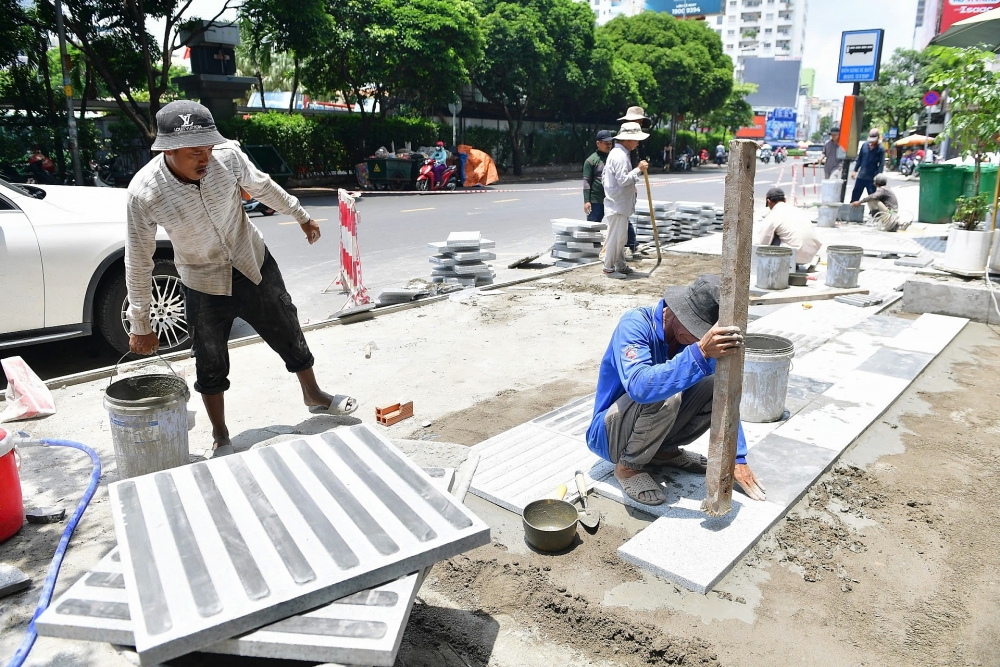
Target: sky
825,20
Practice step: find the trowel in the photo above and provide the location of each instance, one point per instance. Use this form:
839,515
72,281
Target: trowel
588,518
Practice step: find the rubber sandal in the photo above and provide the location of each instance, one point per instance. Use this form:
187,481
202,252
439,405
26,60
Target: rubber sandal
687,461
341,405
641,483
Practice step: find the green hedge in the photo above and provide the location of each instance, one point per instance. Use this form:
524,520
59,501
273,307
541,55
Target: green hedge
326,143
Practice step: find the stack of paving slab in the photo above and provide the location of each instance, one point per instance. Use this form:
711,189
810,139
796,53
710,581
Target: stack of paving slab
309,549
576,241
643,223
461,260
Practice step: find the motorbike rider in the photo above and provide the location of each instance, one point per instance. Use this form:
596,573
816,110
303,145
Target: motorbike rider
41,167
440,157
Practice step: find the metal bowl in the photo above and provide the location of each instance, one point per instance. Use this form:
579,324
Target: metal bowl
549,524
796,279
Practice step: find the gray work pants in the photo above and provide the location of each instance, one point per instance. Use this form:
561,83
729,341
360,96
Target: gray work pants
614,247
638,431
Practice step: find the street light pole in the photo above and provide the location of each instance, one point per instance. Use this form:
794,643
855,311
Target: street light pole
68,90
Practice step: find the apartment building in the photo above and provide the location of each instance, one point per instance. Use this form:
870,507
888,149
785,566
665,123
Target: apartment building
762,29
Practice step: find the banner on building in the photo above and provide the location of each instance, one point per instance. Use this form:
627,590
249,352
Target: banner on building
780,126
755,129
954,11
690,8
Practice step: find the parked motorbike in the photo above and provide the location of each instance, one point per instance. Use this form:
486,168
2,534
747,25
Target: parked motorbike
906,166
442,179
682,163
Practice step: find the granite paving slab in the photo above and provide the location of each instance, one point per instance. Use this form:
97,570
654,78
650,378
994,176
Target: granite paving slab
697,554
220,548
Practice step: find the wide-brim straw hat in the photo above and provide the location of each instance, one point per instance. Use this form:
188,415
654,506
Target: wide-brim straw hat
634,114
631,132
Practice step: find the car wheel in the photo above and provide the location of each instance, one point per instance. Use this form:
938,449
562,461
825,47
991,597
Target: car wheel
166,311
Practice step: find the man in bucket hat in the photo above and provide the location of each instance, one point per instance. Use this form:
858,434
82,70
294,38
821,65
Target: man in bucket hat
619,180
192,189
655,388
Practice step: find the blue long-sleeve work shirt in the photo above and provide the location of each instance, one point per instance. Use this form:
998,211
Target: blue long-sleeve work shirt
638,363
871,161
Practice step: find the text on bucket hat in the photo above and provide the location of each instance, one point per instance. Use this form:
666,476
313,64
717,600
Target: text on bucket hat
696,306
185,124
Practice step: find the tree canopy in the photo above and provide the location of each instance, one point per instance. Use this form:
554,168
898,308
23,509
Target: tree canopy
896,97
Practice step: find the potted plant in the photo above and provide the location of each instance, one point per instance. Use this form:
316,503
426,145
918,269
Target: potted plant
972,88
969,244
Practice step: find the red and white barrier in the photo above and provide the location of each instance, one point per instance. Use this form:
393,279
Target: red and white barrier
350,253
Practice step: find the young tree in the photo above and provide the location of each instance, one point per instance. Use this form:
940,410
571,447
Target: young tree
972,88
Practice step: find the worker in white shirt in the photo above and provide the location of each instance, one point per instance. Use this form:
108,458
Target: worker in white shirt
785,225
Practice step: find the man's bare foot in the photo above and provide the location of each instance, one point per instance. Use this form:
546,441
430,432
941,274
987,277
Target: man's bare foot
651,496
221,444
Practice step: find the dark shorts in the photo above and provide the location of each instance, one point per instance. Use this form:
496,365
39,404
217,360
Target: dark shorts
266,307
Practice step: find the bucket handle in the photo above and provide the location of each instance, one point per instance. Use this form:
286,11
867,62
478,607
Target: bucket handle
115,369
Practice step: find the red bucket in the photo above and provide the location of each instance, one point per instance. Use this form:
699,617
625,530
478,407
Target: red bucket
11,502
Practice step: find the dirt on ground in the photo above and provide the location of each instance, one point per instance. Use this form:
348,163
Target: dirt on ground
896,562
676,269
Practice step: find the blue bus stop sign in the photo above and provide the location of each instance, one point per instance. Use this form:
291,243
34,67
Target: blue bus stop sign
860,56
931,97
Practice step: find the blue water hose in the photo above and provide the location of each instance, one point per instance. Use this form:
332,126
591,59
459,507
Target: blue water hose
50,579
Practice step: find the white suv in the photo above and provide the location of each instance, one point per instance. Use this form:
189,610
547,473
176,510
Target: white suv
62,269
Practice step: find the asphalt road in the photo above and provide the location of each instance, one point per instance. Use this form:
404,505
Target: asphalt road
393,234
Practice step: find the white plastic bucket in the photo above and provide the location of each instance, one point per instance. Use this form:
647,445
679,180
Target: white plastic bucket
766,364
149,423
843,265
774,263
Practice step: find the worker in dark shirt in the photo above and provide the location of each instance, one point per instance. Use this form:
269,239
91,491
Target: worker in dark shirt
883,205
871,163
593,167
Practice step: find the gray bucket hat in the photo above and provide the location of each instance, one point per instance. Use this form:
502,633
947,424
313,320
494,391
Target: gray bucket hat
697,305
185,124
634,114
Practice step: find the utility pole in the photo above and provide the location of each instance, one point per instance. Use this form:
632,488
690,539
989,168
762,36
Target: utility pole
74,149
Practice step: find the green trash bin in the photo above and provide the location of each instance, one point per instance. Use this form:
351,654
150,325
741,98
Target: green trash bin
940,186
987,179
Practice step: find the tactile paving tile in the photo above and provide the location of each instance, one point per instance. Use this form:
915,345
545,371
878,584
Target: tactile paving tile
274,532
363,628
529,461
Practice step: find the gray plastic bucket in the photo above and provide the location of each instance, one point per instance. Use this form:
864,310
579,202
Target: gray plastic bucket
830,191
149,423
827,215
774,263
766,364
843,264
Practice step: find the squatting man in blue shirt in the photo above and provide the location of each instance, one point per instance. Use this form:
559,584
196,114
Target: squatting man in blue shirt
654,390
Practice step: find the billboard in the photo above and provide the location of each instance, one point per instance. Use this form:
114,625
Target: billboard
682,8
780,126
860,56
777,81
959,10
755,131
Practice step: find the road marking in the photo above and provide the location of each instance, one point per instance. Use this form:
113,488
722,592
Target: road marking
567,194
501,201
413,210
292,222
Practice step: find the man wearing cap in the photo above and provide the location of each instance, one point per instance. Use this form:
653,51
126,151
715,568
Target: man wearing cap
619,180
192,189
655,388
593,168
871,162
832,153
883,205
785,225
